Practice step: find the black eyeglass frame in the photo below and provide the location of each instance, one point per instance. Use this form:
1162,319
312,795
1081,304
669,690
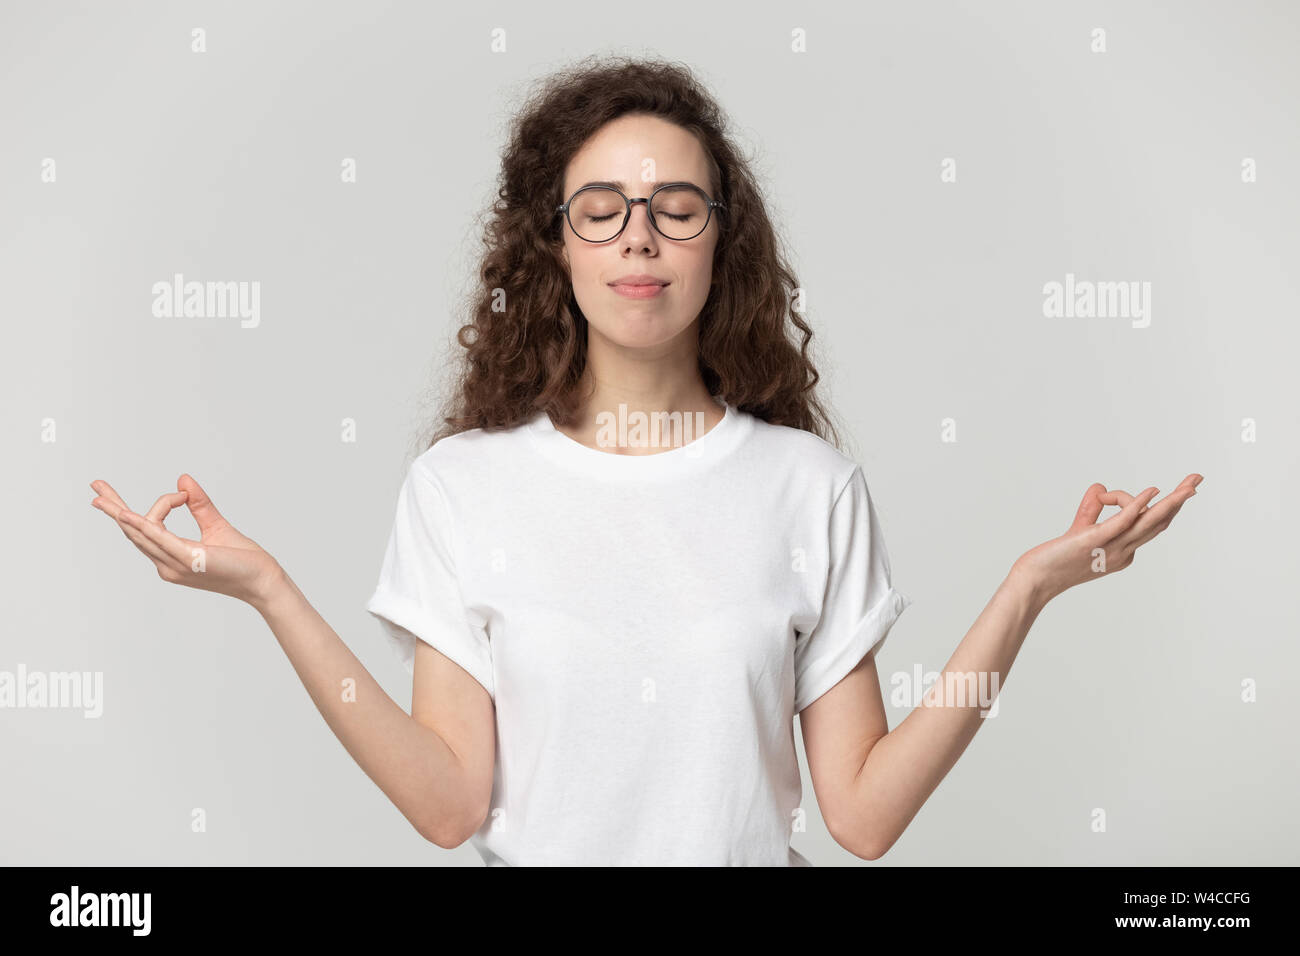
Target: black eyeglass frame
627,214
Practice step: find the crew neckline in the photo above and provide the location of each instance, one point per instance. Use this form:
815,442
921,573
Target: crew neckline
707,448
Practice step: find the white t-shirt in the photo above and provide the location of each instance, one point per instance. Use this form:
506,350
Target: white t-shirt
647,625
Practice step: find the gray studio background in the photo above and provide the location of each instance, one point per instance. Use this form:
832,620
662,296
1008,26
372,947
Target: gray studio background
927,299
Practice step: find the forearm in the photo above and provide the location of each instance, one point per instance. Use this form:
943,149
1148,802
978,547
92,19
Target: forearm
409,762
905,766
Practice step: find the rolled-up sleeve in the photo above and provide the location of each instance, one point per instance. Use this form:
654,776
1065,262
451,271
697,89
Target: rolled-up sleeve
860,603
418,595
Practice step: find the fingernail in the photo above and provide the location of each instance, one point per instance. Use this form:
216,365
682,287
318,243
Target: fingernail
1198,480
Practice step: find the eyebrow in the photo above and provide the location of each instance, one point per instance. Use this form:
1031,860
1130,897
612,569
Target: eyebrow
619,184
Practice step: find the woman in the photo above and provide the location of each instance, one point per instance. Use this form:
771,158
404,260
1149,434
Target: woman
610,626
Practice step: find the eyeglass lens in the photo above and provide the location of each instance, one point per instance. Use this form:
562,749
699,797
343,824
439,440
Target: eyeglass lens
679,212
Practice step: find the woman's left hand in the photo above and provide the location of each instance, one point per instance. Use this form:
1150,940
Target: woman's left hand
1088,550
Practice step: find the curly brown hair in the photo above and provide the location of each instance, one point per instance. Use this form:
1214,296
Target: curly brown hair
530,355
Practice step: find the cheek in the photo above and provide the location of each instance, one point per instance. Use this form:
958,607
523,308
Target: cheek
703,271
698,273
584,263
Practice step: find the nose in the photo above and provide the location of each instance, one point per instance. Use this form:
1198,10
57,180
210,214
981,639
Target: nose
639,232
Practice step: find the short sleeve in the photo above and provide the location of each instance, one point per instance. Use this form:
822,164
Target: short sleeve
418,595
860,604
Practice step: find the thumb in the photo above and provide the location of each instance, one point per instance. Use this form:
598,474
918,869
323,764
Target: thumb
1090,507
200,505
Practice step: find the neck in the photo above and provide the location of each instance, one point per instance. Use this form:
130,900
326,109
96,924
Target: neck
652,381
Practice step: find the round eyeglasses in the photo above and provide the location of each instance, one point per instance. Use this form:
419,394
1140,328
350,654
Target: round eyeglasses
677,211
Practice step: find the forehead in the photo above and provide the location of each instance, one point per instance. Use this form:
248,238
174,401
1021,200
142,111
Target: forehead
638,150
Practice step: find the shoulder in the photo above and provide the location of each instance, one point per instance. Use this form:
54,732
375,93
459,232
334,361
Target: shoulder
812,457
470,456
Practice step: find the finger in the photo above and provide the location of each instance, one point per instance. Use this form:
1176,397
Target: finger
1157,517
109,507
177,548
201,507
1094,501
1117,524
150,549
163,506
1116,497
1120,498
105,506
1144,531
1090,507
1167,507
104,489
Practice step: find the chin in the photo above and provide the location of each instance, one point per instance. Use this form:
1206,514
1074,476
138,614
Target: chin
638,332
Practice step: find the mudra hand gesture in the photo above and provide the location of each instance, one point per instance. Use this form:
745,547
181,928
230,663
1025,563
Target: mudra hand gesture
1088,550
222,560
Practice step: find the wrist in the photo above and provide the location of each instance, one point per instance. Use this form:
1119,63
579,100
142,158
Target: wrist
1030,585
272,591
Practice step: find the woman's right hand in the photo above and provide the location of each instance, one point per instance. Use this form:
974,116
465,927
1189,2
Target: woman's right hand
223,560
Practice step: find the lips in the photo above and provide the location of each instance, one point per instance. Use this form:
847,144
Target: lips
640,279
638,286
